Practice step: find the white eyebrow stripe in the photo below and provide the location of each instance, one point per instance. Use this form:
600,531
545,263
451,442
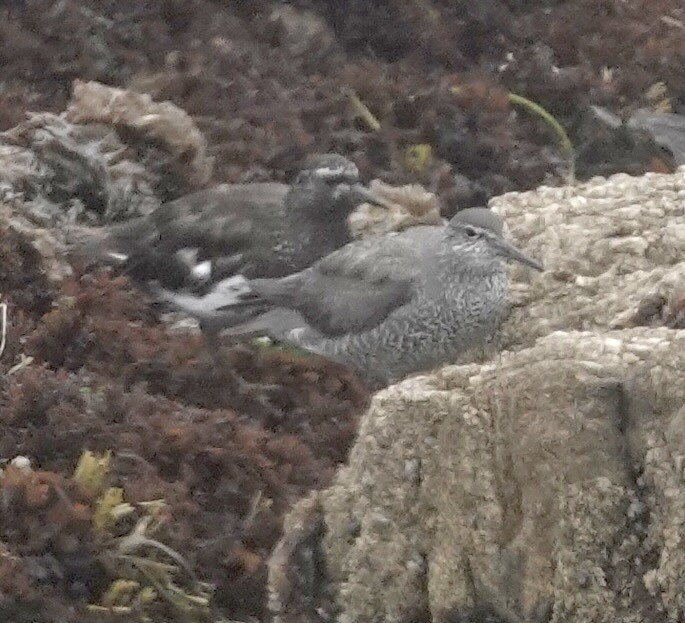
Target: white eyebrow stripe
342,171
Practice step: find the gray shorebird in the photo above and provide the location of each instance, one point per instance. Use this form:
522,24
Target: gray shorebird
233,232
254,230
387,306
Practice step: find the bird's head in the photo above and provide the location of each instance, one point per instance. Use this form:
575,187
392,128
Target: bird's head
340,177
479,231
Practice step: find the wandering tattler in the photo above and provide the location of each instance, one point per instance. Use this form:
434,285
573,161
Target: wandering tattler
234,232
389,305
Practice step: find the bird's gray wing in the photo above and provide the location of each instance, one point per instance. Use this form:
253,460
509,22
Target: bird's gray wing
352,289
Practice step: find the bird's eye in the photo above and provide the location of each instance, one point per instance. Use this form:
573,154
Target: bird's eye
470,232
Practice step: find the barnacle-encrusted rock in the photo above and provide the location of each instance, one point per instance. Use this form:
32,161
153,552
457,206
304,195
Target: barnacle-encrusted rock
545,484
112,155
161,122
407,206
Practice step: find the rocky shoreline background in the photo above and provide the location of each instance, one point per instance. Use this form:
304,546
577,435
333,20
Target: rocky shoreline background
563,506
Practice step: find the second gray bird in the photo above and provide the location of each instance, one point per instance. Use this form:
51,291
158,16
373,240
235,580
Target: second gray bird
262,229
234,231
390,305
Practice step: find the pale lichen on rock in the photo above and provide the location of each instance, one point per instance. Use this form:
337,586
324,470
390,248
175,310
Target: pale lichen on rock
406,206
163,122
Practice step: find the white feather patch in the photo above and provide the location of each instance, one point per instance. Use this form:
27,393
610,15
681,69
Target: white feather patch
225,293
119,257
202,271
332,172
297,334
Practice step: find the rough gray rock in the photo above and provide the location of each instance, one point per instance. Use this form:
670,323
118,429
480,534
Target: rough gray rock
607,245
546,484
57,172
408,206
162,123
81,167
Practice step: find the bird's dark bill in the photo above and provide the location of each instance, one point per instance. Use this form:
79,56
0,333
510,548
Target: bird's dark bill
509,251
365,195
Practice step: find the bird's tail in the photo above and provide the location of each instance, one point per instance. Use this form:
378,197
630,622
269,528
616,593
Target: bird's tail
278,324
109,244
222,307
229,309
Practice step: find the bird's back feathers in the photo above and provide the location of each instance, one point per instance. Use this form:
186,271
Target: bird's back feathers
354,288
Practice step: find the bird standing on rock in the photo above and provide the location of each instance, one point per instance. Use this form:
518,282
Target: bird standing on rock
234,232
390,305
